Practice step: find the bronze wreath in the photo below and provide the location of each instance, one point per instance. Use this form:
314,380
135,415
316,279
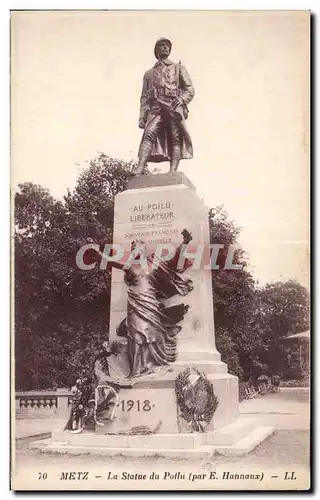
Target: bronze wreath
197,402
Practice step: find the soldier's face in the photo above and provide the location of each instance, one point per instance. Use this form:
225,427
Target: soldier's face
163,50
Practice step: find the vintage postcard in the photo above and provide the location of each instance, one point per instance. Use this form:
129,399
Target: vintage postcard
160,256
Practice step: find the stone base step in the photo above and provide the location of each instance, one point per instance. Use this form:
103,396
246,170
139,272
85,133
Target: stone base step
203,365
140,446
198,354
47,445
230,434
246,444
128,441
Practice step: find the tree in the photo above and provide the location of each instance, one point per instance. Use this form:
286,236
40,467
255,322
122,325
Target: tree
283,310
249,321
38,288
60,309
233,296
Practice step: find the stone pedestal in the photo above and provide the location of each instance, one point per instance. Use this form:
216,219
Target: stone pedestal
152,403
157,214
156,209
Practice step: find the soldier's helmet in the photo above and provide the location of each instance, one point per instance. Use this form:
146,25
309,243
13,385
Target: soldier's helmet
158,43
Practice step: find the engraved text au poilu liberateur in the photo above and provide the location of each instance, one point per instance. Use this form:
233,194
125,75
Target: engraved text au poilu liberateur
153,212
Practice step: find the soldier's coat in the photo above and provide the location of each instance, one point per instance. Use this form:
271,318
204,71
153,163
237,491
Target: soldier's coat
161,84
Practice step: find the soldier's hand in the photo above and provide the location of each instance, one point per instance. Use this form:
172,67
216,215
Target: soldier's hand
177,101
142,123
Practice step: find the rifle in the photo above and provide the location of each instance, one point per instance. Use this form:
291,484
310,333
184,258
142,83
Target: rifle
184,106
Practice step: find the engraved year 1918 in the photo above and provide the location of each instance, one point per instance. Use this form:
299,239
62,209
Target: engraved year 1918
138,405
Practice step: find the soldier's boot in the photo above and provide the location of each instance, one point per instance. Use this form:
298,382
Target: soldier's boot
175,158
141,165
143,158
139,169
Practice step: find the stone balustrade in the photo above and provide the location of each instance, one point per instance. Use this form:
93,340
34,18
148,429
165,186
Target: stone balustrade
42,403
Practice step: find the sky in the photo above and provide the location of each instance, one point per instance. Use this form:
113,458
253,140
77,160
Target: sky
76,79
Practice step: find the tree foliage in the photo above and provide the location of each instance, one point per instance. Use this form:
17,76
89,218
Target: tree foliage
251,322
60,310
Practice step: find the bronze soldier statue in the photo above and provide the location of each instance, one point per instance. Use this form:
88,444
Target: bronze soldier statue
166,92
